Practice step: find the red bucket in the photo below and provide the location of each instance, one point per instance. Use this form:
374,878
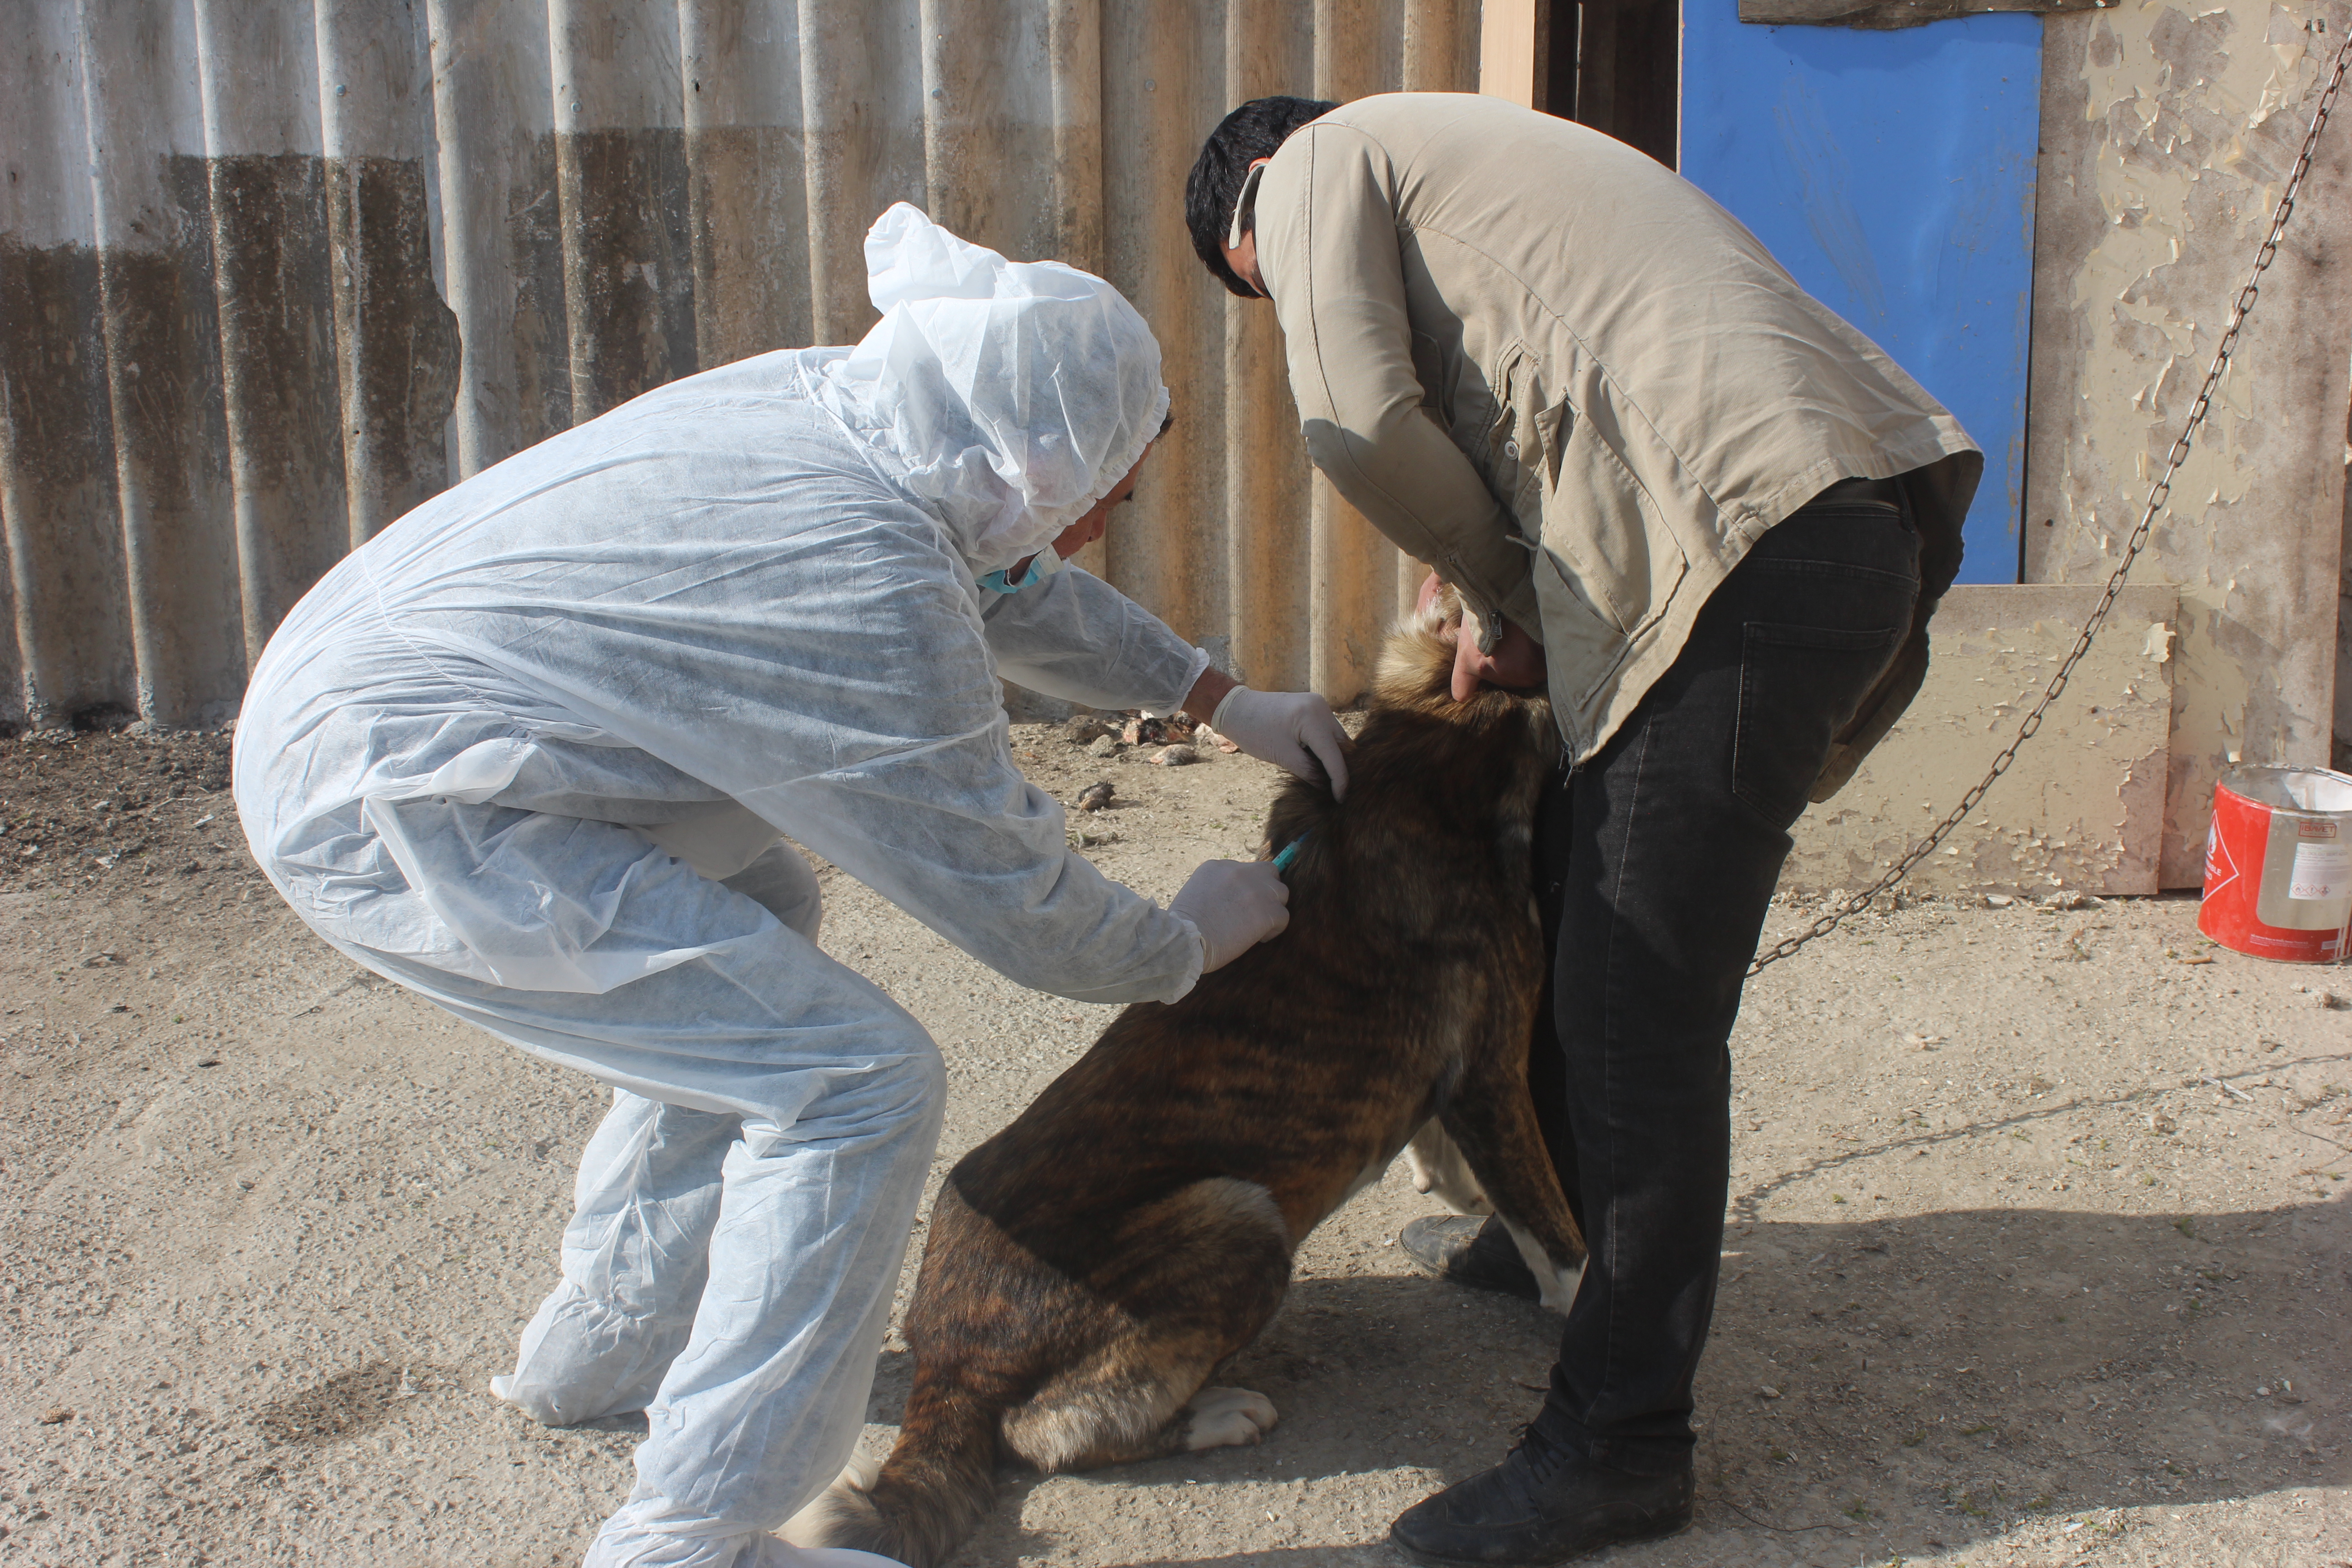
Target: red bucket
2278,863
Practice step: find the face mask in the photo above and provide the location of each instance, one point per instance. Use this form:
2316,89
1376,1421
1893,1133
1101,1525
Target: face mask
1245,218
1245,207
1042,566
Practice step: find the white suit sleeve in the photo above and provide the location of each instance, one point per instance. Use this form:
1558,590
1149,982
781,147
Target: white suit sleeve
836,680
1077,637
917,797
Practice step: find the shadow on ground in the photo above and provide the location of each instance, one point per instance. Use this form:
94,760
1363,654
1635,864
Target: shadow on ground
1926,1380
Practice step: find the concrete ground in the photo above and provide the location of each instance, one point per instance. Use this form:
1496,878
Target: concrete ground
2036,1253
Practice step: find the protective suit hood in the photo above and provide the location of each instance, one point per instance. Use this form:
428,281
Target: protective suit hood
1006,396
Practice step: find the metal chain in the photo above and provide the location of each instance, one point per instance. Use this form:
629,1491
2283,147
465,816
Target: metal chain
2157,497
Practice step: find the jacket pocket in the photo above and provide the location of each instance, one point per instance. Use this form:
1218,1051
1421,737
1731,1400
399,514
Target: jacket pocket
1429,368
1583,649
1797,687
1601,521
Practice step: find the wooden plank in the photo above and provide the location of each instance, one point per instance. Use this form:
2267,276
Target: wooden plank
1512,52
1882,15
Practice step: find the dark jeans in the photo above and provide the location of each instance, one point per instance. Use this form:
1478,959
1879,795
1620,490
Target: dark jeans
1655,862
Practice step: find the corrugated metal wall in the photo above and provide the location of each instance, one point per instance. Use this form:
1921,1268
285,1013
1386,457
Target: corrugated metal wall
273,271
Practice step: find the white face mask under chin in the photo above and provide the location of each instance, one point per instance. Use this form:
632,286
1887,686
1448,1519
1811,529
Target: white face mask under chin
1245,207
1245,217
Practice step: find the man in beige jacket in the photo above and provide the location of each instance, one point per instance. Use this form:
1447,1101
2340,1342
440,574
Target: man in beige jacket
1713,520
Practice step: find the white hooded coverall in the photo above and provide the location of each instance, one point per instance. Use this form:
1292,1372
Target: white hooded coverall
531,751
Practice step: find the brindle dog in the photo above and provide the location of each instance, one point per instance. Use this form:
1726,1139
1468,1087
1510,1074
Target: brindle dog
1093,1265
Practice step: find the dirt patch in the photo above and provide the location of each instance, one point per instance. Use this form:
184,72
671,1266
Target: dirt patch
80,808
347,1404
2037,1251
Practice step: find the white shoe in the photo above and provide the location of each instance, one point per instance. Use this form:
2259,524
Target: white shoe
761,1551
776,1553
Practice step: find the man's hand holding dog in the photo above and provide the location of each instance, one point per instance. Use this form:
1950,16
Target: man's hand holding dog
1233,905
1516,663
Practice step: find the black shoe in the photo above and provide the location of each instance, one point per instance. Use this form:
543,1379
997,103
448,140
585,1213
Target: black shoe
1541,1505
1464,1249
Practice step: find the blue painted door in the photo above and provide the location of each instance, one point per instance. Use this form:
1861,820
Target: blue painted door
1893,174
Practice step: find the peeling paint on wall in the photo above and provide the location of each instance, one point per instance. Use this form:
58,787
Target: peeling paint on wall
2168,129
2340,747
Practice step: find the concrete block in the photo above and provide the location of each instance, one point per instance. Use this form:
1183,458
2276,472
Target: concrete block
2082,806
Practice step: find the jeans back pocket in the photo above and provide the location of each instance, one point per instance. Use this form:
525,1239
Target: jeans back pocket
1799,686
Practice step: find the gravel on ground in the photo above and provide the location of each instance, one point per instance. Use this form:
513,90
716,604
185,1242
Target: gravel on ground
2038,1249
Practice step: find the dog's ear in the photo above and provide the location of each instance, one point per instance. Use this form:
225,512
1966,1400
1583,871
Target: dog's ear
1437,609
1416,659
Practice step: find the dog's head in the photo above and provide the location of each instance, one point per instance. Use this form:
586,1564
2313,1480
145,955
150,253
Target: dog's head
1419,752
1416,669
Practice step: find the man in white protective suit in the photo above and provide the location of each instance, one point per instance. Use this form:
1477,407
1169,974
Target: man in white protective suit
533,751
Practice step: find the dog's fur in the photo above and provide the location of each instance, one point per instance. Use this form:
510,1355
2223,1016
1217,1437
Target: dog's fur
1090,1266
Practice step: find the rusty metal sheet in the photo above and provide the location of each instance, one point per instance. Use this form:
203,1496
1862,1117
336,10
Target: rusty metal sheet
272,272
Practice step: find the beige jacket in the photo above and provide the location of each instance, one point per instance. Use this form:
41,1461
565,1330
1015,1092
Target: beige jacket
1555,370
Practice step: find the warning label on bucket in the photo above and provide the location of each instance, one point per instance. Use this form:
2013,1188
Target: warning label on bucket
2323,869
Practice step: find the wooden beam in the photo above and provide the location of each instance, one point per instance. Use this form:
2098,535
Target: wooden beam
1642,53
1512,52
1882,15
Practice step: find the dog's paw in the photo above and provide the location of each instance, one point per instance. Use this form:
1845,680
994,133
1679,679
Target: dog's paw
1556,1285
1559,1287
841,1507
1227,1417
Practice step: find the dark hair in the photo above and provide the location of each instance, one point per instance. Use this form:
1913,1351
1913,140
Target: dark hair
1250,133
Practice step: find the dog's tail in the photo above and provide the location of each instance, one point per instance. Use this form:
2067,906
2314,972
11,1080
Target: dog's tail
937,1483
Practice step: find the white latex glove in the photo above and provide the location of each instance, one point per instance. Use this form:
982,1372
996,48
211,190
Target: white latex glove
1234,905
1293,730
